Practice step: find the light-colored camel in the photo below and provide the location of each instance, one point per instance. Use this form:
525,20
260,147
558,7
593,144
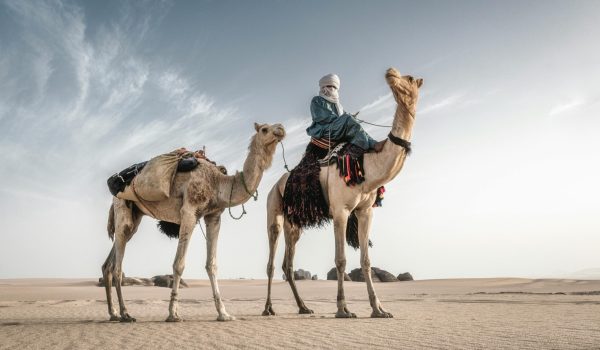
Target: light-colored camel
380,168
202,193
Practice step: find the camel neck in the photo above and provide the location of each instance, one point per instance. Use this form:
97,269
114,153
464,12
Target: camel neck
239,188
382,167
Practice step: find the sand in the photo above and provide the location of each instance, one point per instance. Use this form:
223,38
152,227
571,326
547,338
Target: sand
497,313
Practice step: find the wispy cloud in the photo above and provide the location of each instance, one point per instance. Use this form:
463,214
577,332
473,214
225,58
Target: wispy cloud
444,103
565,107
93,101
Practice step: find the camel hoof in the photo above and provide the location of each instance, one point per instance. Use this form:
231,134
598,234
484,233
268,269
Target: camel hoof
268,311
114,318
127,318
225,318
174,319
381,314
305,310
345,314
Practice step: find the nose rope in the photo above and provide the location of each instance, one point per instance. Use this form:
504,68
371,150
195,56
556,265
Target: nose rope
285,165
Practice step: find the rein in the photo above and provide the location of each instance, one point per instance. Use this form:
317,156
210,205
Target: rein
255,196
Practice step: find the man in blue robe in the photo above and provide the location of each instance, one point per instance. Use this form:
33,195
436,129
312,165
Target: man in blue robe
331,124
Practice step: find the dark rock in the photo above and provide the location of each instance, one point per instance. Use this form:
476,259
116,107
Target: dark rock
405,277
299,275
332,275
377,275
383,275
128,281
166,281
314,278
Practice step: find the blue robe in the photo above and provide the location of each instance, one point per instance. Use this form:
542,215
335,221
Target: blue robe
328,125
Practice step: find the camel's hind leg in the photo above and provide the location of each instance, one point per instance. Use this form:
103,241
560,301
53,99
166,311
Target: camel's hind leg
107,275
292,235
364,227
274,226
127,221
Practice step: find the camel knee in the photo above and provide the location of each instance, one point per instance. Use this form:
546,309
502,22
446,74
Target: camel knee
178,268
270,269
274,231
365,263
340,264
211,269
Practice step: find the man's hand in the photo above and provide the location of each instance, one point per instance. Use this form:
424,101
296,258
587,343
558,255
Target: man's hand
379,146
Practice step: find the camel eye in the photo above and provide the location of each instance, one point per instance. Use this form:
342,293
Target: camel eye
264,130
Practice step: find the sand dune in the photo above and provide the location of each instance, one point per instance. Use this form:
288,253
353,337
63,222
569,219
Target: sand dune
499,313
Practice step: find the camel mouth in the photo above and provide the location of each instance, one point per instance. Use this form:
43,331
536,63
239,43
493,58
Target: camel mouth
279,131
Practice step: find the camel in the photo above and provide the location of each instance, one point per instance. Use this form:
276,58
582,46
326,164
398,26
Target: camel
202,193
380,168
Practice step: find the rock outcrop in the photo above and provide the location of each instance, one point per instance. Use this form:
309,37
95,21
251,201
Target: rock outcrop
332,275
166,281
405,277
300,275
377,275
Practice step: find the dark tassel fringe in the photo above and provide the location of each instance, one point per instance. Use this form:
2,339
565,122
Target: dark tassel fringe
352,232
303,201
379,198
168,228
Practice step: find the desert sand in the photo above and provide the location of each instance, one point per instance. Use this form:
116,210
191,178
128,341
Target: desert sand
494,313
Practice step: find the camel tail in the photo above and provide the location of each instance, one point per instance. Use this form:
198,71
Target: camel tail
168,228
352,232
110,227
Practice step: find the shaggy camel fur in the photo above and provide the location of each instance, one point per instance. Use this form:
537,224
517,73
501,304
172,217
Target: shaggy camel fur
380,168
202,193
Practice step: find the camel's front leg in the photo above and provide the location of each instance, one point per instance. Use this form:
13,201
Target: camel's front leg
213,225
340,221
274,222
364,227
188,222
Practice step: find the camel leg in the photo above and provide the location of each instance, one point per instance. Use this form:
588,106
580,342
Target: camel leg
126,224
213,225
364,227
188,222
274,222
292,235
107,275
340,221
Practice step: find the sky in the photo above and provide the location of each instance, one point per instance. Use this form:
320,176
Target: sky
503,179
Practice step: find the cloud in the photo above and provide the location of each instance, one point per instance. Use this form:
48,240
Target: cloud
84,102
565,107
444,103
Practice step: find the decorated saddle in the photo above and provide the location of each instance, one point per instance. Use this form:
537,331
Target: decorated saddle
304,203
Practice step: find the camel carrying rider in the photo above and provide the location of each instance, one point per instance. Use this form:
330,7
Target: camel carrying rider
303,201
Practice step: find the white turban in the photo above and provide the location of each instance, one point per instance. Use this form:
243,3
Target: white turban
331,93
330,79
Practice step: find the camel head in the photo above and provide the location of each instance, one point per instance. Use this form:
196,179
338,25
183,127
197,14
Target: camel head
265,141
405,88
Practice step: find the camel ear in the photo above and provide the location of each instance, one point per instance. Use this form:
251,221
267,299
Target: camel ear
256,126
419,82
